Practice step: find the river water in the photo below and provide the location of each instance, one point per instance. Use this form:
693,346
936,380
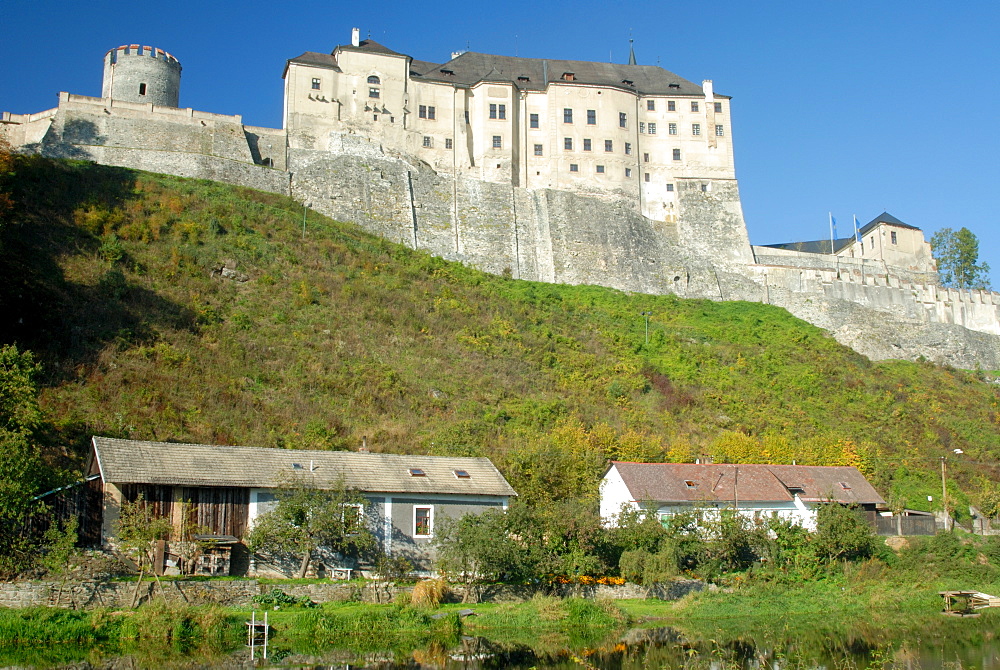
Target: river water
952,646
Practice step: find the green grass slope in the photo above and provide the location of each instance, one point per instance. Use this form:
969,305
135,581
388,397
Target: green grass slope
336,335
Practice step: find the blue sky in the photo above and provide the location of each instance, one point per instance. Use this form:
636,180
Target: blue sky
849,107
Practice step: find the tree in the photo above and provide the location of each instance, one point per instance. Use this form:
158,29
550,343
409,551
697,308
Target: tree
138,532
306,518
479,549
22,472
841,534
957,255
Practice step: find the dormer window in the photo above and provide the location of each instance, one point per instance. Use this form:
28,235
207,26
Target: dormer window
450,73
417,472
690,484
675,85
523,79
568,76
462,474
628,82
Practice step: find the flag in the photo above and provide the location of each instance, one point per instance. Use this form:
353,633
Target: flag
857,231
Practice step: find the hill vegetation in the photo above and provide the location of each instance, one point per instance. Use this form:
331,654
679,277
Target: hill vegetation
317,334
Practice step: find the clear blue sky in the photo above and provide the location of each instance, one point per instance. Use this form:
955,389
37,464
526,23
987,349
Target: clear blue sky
849,107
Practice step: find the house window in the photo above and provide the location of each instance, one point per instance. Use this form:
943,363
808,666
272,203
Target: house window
628,148
652,128
448,143
353,517
719,131
567,115
431,113
423,521
622,119
600,169
586,145
497,142
427,142
533,120
628,173
671,106
892,235
646,177
142,89
677,154
315,84
573,167
538,149
591,117
568,143
651,105
696,129
671,128
373,92
642,127
609,146
694,105
717,107
670,187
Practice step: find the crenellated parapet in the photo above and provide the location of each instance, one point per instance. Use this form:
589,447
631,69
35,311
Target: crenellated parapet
138,73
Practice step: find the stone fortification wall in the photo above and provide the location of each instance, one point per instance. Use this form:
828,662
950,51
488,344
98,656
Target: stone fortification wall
240,592
858,267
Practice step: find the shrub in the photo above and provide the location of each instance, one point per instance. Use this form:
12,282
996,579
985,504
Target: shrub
429,592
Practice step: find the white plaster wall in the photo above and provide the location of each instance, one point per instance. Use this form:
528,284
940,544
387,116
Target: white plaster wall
615,497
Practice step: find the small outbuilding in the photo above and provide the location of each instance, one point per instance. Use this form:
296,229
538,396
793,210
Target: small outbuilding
791,492
222,489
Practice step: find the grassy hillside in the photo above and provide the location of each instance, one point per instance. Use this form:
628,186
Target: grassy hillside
108,279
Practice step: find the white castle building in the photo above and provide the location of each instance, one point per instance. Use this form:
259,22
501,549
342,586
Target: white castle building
603,129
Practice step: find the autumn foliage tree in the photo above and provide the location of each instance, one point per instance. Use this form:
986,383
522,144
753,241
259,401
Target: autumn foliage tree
957,254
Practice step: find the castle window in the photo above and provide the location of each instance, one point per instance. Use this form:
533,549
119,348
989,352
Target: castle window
704,187
670,187
315,84
422,112
374,80
652,128
533,120
586,145
538,149
645,158
628,148
622,119
717,107
628,173
651,105
448,143
720,131
497,142
671,106
600,169
567,115
591,117
373,92
642,127
427,142
573,167
142,89
892,234
677,154
498,111
568,143
672,128
694,105
374,117
646,177
609,146
466,117
696,129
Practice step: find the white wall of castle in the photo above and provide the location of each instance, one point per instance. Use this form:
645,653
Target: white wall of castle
600,141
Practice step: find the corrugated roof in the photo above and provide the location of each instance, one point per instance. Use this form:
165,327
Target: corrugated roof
142,462
717,482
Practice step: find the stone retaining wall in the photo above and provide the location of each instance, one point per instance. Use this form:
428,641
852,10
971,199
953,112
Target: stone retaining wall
238,593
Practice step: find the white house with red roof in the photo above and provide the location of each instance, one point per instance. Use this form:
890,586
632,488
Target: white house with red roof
791,492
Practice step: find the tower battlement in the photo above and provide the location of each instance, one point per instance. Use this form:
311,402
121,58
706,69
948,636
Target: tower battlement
138,73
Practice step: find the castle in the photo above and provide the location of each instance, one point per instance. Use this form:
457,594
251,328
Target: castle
619,175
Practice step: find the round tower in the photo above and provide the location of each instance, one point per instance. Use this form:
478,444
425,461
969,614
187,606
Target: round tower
142,74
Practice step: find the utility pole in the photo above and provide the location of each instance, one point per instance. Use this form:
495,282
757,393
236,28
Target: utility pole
647,315
944,494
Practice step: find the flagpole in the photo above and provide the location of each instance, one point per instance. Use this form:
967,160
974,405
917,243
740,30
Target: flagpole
831,232
861,242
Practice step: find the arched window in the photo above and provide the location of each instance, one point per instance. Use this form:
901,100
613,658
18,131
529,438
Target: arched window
374,80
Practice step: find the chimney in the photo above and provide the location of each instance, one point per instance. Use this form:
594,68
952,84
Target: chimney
355,37
706,86
364,445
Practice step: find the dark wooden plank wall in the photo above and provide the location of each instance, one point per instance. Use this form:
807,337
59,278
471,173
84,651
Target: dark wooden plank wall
222,511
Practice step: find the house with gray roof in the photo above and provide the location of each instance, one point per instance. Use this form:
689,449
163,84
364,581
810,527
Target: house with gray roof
791,492
224,488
